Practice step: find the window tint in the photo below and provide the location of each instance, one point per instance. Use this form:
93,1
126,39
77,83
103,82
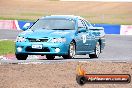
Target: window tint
84,23
89,25
80,24
54,24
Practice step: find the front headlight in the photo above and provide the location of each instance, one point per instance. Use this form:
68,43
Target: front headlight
20,39
57,40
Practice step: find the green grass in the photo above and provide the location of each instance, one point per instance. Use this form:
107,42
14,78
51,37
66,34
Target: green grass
7,47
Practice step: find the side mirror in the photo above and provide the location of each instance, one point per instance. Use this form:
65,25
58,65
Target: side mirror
81,30
26,26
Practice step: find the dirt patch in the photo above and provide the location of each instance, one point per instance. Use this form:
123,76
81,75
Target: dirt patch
96,12
60,75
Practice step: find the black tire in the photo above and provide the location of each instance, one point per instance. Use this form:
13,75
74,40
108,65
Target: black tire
81,80
50,57
97,51
71,51
21,56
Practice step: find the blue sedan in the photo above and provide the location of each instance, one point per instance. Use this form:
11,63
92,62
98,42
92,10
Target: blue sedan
60,35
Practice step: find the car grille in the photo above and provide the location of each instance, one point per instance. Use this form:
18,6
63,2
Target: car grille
44,49
37,40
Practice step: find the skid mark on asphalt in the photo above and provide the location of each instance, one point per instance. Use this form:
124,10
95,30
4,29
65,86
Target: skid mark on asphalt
38,59
8,57
13,57
56,61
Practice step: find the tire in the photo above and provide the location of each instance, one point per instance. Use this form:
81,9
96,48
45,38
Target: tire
81,80
97,51
71,51
50,57
21,57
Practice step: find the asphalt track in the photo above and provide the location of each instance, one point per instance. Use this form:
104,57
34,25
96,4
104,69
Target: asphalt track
118,48
8,34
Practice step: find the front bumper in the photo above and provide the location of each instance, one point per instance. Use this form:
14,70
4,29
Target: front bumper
47,48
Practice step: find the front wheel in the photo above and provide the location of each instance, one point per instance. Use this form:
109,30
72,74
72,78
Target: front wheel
21,57
97,51
50,57
71,51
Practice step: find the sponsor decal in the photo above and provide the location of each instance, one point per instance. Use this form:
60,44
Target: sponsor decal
82,77
84,37
126,30
60,33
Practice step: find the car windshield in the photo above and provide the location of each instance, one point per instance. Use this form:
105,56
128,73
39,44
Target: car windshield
54,24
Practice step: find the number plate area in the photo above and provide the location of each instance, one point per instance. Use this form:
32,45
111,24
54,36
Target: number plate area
36,46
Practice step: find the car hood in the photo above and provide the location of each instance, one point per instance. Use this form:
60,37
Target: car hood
41,33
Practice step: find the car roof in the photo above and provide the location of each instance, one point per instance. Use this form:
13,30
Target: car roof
63,17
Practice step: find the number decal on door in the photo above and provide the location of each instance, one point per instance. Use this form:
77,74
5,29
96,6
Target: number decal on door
84,37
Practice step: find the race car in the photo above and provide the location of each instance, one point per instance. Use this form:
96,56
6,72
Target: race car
60,35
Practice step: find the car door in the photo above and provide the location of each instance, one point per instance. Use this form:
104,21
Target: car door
89,37
82,38
92,40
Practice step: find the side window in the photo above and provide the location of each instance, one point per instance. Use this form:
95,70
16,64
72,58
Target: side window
84,23
88,24
80,24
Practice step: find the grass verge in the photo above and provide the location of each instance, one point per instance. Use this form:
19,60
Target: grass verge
7,47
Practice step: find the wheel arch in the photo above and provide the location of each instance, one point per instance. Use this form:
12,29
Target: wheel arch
100,42
73,40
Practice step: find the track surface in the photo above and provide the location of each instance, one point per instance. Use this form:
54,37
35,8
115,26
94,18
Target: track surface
8,34
118,48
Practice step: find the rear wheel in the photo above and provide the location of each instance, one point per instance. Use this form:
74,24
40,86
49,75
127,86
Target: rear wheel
50,57
97,51
71,51
21,57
